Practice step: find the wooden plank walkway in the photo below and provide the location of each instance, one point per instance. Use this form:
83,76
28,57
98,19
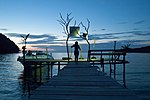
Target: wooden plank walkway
82,82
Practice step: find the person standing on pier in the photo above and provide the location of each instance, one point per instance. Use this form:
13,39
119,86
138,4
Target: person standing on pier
76,52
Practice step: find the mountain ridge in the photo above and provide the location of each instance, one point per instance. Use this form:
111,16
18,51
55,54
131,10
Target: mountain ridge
145,49
7,46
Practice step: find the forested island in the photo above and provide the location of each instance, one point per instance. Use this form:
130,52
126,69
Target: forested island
7,46
139,50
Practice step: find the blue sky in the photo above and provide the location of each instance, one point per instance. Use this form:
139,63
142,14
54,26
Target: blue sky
124,21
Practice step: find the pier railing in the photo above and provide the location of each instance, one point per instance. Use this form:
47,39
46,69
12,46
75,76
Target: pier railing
38,71
110,57
35,69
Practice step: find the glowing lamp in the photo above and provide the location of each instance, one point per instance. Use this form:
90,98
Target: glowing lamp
85,36
74,31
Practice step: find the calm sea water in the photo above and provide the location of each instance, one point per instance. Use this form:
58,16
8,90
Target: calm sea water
137,75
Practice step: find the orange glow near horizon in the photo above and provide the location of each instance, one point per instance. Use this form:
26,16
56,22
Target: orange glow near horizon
31,47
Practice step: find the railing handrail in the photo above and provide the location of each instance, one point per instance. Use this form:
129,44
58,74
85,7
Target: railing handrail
107,50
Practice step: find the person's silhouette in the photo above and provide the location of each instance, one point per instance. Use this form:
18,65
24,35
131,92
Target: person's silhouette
76,52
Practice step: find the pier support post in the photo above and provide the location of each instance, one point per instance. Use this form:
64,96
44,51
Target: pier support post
114,66
24,63
124,71
93,63
35,72
40,73
110,68
51,68
102,64
114,70
48,69
58,67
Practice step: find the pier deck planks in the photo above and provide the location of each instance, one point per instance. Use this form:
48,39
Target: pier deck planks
82,82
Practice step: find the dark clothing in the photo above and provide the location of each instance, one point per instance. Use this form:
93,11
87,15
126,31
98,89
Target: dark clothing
76,52
76,47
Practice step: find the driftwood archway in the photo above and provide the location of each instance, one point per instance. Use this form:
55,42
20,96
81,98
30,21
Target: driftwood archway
65,23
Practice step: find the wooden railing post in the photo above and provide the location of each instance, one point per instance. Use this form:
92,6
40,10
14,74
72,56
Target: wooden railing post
48,69
93,63
58,67
102,64
114,66
40,73
51,68
110,68
124,71
102,61
35,72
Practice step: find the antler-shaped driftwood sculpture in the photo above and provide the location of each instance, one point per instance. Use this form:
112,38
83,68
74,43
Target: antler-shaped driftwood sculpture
65,25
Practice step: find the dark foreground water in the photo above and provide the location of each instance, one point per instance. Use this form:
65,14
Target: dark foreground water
10,71
137,75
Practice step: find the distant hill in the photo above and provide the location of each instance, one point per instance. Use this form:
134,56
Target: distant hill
7,46
139,50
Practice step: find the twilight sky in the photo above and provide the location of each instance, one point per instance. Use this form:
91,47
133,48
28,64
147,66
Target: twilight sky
124,21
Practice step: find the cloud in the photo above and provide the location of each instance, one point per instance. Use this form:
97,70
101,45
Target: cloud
36,39
14,34
103,29
106,45
31,36
54,42
55,48
101,36
122,23
139,22
108,36
135,29
42,36
45,40
141,33
97,30
119,35
3,29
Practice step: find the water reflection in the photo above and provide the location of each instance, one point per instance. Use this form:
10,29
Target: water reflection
36,74
13,86
9,73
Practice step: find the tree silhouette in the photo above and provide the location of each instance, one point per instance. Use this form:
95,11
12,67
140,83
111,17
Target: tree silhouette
126,46
25,38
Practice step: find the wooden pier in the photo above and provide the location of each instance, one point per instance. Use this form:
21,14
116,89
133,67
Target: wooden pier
82,81
85,80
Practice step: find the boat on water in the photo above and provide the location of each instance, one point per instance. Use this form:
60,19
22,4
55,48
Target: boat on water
33,55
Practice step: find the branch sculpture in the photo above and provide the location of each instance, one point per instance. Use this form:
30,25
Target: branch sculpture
86,28
65,25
